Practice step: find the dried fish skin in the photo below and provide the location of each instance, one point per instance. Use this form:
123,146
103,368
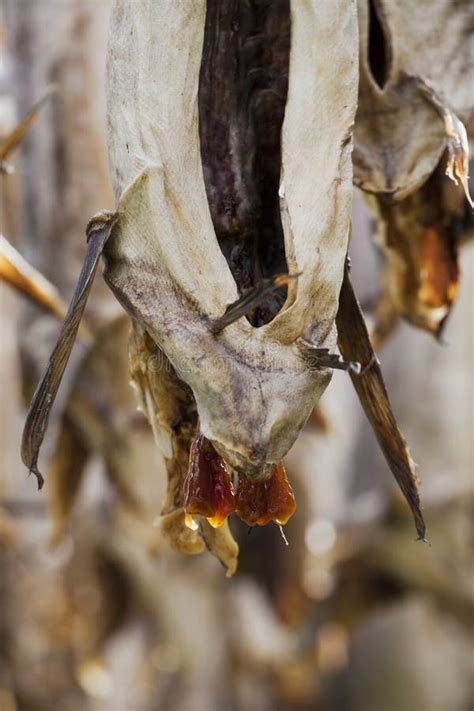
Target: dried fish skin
252,388
399,135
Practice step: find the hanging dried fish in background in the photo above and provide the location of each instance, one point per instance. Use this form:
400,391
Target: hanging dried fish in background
414,95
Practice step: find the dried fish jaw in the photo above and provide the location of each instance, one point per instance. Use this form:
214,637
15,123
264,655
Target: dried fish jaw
164,262
251,407
399,139
388,159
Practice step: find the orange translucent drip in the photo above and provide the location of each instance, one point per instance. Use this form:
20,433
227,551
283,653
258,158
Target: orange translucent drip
258,502
438,265
208,490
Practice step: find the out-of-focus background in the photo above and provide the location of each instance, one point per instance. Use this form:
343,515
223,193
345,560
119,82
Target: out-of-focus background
96,612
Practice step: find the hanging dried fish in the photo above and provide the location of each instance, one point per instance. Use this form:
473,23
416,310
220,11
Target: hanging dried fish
414,94
230,145
414,91
212,201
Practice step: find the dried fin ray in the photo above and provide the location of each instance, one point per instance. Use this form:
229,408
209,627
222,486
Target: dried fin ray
323,358
250,299
98,231
354,343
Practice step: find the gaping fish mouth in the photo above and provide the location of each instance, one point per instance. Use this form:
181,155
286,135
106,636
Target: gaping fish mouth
254,466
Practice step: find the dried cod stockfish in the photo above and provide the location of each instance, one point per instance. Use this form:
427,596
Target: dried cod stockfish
220,189
228,246
415,93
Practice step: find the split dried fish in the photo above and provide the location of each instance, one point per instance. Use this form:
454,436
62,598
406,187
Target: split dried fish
228,248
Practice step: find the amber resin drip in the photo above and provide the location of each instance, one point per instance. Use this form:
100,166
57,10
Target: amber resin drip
208,489
259,502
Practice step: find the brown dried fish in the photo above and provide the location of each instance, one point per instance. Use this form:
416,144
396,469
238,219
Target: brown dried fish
177,258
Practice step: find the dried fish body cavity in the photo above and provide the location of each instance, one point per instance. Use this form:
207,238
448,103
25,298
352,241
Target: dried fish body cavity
253,387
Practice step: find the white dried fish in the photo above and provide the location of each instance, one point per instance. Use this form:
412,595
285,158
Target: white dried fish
253,389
